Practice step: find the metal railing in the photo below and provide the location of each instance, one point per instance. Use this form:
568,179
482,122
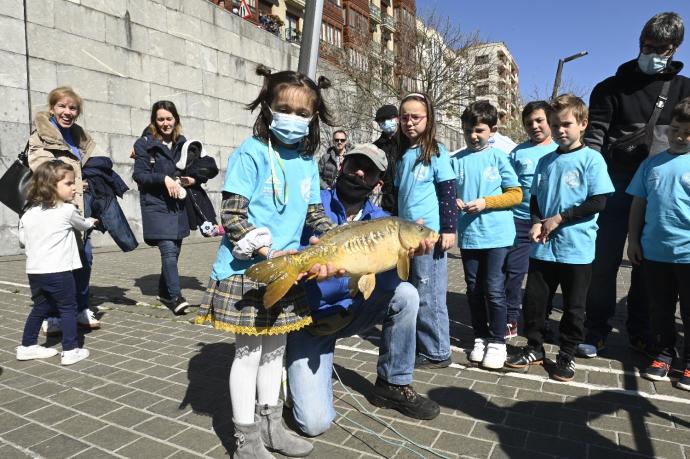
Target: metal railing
388,21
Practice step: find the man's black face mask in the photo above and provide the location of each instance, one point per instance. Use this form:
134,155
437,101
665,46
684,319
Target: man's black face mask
352,189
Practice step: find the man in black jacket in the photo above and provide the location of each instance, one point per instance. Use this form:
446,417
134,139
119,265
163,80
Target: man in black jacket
620,105
387,119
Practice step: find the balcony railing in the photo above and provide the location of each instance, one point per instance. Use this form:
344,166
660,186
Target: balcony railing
291,35
374,12
388,22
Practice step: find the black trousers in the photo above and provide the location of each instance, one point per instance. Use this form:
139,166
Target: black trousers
543,278
668,283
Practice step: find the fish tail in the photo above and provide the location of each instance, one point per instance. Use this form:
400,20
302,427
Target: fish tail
279,274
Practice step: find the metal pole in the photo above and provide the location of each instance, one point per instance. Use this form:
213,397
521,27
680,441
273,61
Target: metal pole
311,33
559,70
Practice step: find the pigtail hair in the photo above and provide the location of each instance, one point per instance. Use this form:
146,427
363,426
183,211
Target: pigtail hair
263,70
323,82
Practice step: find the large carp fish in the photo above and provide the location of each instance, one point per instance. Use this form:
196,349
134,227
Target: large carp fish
363,249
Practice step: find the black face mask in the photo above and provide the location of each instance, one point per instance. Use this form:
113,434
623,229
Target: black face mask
352,189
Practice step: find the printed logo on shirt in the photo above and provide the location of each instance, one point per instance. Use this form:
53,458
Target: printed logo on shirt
526,165
572,178
653,180
685,180
268,186
461,177
305,188
491,174
421,173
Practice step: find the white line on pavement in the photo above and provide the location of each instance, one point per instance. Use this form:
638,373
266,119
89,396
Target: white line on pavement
14,284
667,398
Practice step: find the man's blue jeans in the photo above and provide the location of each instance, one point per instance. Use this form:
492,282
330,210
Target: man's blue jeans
169,281
309,358
429,274
601,300
486,293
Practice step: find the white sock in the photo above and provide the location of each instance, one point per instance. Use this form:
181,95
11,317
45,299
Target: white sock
243,376
270,369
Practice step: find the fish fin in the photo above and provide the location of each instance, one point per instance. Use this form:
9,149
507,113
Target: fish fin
366,284
278,288
403,266
352,286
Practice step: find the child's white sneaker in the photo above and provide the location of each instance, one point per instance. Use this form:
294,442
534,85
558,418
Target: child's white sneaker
75,355
35,352
495,356
478,351
87,319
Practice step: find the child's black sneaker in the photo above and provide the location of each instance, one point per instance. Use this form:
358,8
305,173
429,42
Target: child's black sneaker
179,305
525,357
565,368
657,371
684,381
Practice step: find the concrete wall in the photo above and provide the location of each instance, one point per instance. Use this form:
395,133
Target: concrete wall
121,56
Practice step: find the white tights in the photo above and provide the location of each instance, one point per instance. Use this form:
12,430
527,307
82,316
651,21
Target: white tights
255,374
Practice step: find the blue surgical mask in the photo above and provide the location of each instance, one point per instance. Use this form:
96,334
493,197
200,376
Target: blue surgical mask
651,64
389,126
289,129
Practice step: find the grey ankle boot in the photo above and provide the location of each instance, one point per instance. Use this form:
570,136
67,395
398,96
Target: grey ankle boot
276,437
249,443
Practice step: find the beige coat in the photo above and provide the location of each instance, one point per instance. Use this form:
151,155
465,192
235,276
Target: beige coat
46,143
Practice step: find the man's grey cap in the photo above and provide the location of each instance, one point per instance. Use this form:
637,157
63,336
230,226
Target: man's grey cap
371,151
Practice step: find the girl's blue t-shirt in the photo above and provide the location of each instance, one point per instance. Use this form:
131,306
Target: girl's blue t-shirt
249,175
480,174
416,184
524,159
563,181
664,181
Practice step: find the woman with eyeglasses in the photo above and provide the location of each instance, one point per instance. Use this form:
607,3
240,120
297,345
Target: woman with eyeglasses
332,161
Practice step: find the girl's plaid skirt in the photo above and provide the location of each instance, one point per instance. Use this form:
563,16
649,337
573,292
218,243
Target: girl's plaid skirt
235,304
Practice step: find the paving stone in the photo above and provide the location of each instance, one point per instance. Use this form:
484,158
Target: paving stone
494,389
24,404
368,443
45,389
147,448
79,426
8,452
597,452
9,421
126,417
465,446
94,453
603,379
510,452
60,446
160,428
555,446
140,399
52,414
97,407
605,438
111,438
531,423
640,443
501,434
28,435
195,439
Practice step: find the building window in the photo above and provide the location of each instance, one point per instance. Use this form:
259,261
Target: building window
357,21
291,28
481,60
483,74
482,90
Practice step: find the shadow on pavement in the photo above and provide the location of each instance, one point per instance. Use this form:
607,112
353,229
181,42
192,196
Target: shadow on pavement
148,284
116,295
208,391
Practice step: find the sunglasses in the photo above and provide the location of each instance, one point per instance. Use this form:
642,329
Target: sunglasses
339,140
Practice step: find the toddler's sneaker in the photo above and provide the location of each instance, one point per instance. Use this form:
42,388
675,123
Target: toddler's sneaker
565,368
684,381
75,355
179,305
87,319
35,352
657,370
478,351
51,326
511,329
589,350
526,357
495,356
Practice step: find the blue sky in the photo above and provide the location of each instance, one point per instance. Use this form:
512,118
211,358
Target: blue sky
539,32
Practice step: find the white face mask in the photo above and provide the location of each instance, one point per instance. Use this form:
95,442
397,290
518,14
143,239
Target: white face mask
651,64
389,126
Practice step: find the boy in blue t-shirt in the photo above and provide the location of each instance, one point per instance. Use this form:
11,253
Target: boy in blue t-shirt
568,191
524,159
487,188
659,238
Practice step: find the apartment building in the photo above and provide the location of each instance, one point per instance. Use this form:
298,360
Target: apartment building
496,78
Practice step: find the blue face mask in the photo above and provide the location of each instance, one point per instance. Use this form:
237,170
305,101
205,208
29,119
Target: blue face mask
652,64
389,126
289,129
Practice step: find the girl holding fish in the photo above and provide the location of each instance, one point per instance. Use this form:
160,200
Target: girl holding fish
271,192
425,185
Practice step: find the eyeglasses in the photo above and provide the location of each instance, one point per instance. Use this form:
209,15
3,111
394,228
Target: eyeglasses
416,119
648,48
339,140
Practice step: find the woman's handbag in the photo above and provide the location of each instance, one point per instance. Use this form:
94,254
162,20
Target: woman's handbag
15,182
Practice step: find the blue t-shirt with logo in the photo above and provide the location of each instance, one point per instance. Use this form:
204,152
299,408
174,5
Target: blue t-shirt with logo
524,159
416,184
249,175
664,181
479,174
562,181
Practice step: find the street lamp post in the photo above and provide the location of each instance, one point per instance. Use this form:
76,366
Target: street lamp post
311,33
559,70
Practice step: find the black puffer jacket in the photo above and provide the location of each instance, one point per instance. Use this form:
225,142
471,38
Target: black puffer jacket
623,103
389,199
